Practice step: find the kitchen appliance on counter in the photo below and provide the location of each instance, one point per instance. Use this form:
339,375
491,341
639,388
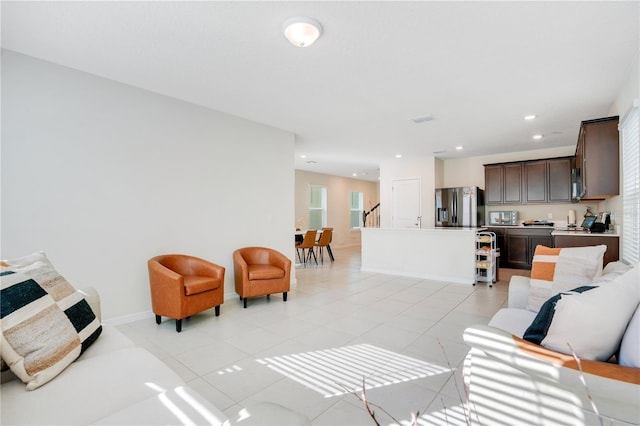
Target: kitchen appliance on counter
597,224
500,218
603,220
537,223
460,207
588,222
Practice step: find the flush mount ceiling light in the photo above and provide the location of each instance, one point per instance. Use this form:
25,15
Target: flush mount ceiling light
302,31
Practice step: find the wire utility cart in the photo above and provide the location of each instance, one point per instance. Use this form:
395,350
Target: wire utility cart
486,257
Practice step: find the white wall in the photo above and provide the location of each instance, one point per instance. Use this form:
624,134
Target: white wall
103,176
338,203
629,94
423,168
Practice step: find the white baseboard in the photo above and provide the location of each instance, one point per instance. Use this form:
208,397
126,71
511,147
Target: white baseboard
126,319
445,279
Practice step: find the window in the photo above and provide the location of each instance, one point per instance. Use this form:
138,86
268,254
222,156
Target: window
356,210
630,136
317,207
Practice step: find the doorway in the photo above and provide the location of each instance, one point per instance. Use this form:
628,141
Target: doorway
406,203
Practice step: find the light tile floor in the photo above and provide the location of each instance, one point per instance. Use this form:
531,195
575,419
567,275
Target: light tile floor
236,360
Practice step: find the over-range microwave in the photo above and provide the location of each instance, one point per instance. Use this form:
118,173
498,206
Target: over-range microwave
509,218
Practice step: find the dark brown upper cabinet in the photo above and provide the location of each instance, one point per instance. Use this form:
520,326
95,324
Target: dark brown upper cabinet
494,184
535,182
529,182
559,179
598,160
503,183
512,183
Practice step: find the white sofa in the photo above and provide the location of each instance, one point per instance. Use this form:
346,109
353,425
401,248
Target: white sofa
512,381
112,383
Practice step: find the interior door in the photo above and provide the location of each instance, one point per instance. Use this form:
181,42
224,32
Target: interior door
406,203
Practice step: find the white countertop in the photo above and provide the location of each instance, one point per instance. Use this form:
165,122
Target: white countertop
521,226
429,229
582,233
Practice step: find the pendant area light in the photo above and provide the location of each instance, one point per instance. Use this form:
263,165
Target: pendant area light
302,31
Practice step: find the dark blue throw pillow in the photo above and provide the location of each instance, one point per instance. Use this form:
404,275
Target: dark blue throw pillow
538,329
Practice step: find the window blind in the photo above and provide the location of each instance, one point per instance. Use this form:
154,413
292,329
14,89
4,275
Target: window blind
630,135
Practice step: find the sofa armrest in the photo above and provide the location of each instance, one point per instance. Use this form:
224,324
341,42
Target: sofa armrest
518,292
93,299
539,360
503,372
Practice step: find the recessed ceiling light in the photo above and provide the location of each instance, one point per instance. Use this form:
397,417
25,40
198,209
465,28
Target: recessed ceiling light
537,137
459,148
530,117
398,155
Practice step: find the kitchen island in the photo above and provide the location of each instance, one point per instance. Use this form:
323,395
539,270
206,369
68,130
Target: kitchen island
439,254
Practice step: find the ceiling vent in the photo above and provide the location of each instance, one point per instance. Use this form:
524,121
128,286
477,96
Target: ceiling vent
422,119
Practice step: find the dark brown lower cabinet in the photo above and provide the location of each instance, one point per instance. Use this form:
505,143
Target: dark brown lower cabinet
518,244
521,245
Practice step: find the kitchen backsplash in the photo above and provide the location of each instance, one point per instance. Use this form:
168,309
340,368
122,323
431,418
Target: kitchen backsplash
558,212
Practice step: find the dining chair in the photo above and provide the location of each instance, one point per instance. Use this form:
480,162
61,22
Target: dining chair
309,242
323,241
329,243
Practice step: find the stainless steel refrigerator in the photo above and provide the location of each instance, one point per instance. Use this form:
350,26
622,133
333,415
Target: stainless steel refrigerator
460,207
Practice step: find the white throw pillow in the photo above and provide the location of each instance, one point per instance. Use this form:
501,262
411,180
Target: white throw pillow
612,271
561,269
24,261
593,323
630,346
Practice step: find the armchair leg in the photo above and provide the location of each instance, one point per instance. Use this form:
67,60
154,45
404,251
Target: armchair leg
284,296
245,303
218,310
158,319
178,325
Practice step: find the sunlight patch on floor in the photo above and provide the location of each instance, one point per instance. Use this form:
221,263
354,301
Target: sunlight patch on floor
337,371
449,416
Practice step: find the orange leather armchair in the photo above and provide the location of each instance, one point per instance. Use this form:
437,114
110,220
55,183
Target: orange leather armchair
184,285
261,271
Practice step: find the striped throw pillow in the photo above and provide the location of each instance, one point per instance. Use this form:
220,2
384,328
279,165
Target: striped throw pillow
46,324
560,269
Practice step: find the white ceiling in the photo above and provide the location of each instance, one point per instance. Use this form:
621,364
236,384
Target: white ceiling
476,67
